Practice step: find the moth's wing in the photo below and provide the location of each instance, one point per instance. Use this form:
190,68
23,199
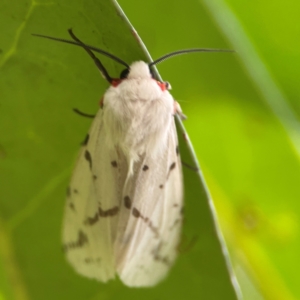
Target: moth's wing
92,207
150,225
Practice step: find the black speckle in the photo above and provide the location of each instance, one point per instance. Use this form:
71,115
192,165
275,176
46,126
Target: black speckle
86,140
101,213
87,260
114,164
90,260
82,239
92,220
136,213
145,168
173,165
95,177
161,186
163,259
75,191
71,205
177,150
153,228
88,157
127,202
109,212
158,257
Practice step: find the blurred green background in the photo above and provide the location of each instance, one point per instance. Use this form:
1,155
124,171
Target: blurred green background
242,113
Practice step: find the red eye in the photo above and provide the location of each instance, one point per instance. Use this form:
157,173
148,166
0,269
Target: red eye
115,82
163,86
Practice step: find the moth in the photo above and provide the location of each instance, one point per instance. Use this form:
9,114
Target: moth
123,213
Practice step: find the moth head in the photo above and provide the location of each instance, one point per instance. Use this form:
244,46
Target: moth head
138,69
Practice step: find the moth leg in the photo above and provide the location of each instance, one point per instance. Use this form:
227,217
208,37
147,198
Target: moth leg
178,111
79,112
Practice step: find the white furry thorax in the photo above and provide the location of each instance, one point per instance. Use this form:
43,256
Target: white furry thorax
137,114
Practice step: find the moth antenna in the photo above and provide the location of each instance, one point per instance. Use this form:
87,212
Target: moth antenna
98,50
96,60
185,51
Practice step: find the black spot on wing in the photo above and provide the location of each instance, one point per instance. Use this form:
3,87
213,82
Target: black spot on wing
75,191
92,220
90,260
127,202
136,213
88,157
109,212
114,164
172,167
101,213
153,228
160,258
95,177
161,186
163,259
82,239
145,168
72,206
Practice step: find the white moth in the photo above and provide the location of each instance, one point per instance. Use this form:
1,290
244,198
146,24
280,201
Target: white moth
124,205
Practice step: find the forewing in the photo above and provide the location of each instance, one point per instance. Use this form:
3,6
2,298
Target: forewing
150,225
92,207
